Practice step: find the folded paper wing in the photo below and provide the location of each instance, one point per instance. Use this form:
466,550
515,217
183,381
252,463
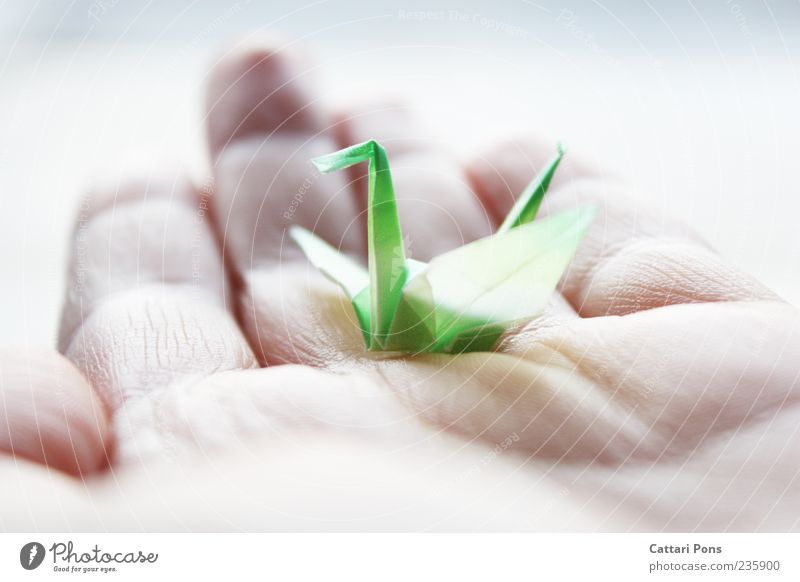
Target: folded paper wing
340,269
462,300
527,205
485,287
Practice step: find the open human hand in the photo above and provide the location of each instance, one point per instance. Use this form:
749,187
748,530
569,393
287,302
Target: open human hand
199,325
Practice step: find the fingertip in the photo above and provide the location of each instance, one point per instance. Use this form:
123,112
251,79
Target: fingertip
134,230
50,414
259,85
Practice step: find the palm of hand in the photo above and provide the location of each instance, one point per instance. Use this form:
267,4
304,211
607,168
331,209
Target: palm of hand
652,350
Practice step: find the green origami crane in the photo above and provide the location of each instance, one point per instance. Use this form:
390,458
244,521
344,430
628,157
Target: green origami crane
463,300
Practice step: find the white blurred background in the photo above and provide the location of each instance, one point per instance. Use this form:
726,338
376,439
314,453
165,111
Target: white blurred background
694,102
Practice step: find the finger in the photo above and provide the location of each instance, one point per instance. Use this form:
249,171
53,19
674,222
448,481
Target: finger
258,85
145,304
438,210
265,182
50,414
632,259
264,126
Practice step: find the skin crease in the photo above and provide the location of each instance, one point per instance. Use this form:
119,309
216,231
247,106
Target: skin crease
659,385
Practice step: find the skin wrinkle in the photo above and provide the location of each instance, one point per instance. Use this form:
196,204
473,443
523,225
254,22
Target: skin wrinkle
616,395
561,352
581,387
714,460
614,228
351,401
689,279
408,396
246,404
585,279
324,336
496,398
721,424
674,472
107,339
458,411
111,268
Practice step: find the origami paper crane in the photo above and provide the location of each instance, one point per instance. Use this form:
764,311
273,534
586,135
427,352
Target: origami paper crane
463,300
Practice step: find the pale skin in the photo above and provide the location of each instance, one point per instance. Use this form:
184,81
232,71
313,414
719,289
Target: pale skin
658,391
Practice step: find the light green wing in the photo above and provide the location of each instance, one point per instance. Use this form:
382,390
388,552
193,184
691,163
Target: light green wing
499,280
340,269
412,328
